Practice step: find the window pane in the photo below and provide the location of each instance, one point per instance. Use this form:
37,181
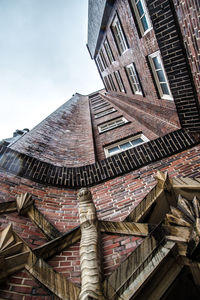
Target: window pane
136,141
114,149
140,8
165,89
144,23
156,63
125,146
161,76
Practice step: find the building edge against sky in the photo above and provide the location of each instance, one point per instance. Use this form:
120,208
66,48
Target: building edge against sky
118,141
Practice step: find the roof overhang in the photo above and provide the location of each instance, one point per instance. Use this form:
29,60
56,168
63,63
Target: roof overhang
98,16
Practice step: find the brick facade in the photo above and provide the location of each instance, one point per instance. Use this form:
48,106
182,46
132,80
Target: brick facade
66,151
114,200
63,138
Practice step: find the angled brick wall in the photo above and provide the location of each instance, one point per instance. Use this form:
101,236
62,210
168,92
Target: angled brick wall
63,138
188,14
176,66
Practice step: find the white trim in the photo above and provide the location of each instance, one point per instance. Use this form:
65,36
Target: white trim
119,35
112,124
108,51
133,78
119,81
138,17
155,73
105,112
139,136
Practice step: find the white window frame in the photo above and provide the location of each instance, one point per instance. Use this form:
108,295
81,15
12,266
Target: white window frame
139,18
101,106
107,83
133,79
112,84
100,63
103,59
112,124
157,80
108,51
105,112
119,81
119,35
139,136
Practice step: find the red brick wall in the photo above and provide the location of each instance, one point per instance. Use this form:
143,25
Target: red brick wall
139,49
165,36
188,13
22,286
141,120
63,138
114,200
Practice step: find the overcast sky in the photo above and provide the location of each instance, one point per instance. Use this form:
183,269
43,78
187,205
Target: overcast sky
43,59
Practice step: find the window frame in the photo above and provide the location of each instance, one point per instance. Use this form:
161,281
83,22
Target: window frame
125,121
103,59
138,17
119,81
99,63
107,83
132,80
108,51
155,75
126,140
105,113
112,84
122,40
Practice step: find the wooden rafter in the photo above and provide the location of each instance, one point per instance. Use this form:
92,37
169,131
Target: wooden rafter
154,206
59,244
24,205
130,228
15,255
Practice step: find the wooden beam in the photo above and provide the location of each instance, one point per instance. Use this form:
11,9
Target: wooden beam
195,270
59,244
54,281
118,282
50,231
156,276
156,203
130,228
8,207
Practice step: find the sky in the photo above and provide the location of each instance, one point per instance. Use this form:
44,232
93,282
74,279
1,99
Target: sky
43,59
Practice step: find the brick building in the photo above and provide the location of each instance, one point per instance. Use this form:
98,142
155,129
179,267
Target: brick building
119,142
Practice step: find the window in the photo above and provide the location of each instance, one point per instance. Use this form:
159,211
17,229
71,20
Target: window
119,81
105,112
99,63
119,35
133,79
101,106
105,64
102,102
107,83
125,145
108,51
97,103
160,76
142,15
112,84
112,124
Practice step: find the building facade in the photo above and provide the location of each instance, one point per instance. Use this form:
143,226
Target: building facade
135,146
